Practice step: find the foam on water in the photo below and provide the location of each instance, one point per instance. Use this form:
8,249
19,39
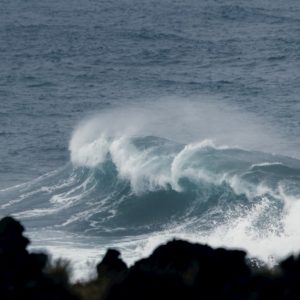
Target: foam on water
191,124
137,179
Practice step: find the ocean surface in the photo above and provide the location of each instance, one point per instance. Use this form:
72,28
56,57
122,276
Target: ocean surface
127,123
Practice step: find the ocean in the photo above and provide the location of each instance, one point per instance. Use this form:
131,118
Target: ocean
124,124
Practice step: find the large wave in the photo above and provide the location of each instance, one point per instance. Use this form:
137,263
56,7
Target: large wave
131,184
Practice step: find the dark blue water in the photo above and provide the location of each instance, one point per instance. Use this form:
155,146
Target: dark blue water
151,119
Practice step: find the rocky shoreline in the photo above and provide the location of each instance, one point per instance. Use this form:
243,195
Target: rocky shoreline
176,270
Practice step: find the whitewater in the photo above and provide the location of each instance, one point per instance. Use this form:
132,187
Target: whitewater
127,124
130,185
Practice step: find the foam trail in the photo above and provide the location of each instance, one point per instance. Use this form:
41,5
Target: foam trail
142,175
191,154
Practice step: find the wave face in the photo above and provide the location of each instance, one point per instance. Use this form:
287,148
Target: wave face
196,135
134,191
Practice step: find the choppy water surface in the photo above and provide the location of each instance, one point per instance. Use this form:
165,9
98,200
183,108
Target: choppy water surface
126,123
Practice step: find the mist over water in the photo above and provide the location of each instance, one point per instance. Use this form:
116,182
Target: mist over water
140,175
185,120
128,124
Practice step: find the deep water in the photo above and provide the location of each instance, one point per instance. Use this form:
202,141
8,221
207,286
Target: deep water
126,123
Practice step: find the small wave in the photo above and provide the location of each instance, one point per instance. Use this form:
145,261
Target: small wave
266,164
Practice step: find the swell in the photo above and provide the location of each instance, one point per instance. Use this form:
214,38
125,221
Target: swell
139,185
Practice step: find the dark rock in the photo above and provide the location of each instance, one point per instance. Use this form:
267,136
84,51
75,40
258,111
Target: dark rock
180,269
11,239
176,270
111,263
22,274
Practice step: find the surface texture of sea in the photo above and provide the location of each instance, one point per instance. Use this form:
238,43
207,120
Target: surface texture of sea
127,123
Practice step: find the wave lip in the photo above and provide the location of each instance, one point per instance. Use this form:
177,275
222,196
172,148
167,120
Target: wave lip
125,185
150,163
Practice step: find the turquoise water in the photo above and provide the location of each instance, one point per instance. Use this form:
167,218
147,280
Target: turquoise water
127,123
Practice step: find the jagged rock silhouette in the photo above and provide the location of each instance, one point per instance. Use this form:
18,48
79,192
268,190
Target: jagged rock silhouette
22,273
176,270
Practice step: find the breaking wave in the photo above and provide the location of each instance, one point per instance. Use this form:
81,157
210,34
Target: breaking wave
134,191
